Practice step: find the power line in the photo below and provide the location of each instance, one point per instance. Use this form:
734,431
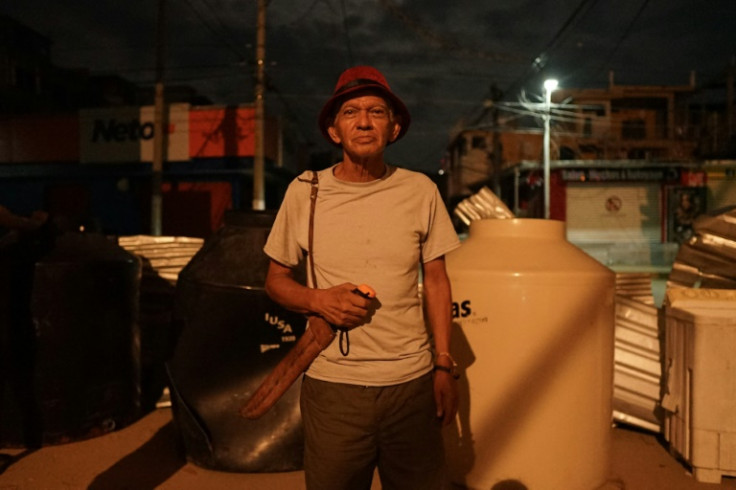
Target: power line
443,42
347,33
624,35
237,50
223,26
234,48
541,60
308,11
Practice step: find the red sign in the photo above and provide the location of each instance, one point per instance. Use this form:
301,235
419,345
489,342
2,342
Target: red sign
222,131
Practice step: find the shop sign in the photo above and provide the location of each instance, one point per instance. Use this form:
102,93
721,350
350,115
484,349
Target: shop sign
126,134
620,174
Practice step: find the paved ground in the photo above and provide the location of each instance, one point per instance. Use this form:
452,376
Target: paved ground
144,456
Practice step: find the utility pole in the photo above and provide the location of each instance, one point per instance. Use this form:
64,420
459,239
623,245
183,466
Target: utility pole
259,201
549,86
730,96
159,114
496,149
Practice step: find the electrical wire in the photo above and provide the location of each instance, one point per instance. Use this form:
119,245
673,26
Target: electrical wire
439,41
307,12
542,59
346,31
624,35
242,58
214,31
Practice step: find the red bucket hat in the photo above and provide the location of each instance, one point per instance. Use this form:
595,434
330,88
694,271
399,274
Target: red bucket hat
362,79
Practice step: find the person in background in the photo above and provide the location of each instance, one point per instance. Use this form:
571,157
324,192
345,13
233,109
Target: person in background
378,396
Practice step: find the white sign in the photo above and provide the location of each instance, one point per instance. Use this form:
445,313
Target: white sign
125,134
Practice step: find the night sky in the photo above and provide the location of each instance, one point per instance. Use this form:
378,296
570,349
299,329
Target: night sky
440,56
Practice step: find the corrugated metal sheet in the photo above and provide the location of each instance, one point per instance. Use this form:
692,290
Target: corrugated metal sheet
637,354
163,256
708,259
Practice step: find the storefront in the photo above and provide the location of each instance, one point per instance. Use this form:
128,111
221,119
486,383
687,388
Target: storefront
94,169
625,213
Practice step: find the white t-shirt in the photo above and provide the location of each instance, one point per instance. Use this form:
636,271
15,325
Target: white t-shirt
375,233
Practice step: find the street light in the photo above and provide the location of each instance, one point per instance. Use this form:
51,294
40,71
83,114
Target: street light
549,86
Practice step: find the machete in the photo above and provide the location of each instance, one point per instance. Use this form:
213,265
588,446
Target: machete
318,335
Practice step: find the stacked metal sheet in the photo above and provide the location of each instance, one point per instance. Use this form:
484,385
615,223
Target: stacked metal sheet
636,285
708,259
637,365
482,205
163,256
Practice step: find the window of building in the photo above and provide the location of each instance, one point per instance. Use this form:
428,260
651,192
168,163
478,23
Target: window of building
478,142
462,147
633,129
595,110
588,127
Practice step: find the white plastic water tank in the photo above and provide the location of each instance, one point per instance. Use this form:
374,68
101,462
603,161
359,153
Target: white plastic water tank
700,381
534,330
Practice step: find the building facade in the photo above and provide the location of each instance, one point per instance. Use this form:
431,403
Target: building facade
628,165
81,147
619,126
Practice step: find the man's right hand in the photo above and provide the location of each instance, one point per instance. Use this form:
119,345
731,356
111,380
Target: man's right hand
339,305
342,306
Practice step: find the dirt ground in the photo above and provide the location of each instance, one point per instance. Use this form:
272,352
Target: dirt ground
144,456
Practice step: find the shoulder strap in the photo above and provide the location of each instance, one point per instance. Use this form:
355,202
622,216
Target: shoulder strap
344,338
312,204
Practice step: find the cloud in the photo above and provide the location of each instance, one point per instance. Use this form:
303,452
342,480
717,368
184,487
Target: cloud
440,56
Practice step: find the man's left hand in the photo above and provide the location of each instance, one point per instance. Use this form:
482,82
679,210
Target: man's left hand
445,396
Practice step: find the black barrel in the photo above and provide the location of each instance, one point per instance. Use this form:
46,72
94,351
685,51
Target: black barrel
69,340
231,336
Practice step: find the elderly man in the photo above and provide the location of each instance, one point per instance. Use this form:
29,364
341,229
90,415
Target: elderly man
378,395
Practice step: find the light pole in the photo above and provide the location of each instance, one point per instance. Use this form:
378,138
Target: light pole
259,199
549,86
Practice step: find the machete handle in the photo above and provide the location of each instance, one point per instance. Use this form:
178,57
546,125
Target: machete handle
366,291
